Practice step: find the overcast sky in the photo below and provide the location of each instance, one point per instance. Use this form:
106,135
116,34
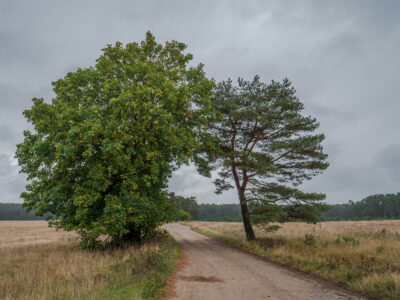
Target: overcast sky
341,56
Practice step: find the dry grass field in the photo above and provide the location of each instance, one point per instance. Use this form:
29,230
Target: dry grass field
37,262
16,234
364,256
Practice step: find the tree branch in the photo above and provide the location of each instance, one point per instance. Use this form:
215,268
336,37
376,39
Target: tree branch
281,156
220,129
233,163
252,136
257,139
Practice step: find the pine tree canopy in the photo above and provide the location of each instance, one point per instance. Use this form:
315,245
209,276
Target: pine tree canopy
268,148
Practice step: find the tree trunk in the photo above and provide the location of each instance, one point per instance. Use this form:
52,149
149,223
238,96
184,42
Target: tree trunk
246,217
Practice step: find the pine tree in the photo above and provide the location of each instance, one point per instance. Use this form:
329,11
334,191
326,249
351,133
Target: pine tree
268,148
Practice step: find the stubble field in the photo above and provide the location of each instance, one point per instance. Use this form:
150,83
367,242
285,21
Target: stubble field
363,256
37,262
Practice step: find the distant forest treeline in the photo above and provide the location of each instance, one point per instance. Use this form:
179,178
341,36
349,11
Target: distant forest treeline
219,212
15,211
206,212
372,207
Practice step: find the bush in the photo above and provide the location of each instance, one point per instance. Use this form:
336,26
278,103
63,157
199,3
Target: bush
183,215
309,239
346,240
272,228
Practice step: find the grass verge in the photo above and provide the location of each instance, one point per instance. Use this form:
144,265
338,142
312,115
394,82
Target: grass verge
60,270
368,263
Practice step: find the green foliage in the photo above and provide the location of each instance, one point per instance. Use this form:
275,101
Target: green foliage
142,274
89,240
337,240
309,239
219,212
350,239
307,213
346,240
102,151
183,215
186,204
264,213
272,228
267,149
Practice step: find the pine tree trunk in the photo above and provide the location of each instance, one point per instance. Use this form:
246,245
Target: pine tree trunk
246,217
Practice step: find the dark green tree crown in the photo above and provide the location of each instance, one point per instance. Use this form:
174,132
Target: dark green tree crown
268,141
102,152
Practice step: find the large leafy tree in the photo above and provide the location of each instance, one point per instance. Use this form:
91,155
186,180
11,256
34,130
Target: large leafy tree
267,149
101,153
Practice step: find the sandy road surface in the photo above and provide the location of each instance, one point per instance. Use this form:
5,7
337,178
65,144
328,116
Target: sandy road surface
213,270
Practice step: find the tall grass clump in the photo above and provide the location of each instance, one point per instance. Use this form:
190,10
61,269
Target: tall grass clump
60,269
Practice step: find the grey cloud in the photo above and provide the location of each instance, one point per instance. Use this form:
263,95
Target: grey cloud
380,174
342,57
7,134
11,182
13,101
187,183
388,160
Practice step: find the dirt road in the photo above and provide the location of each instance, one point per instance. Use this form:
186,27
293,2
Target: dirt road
213,270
